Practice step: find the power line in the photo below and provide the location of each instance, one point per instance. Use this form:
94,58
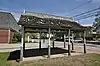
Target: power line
80,5
88,15
86,12
95,13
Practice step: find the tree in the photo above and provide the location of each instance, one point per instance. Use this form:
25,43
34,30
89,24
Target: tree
16,37
97,20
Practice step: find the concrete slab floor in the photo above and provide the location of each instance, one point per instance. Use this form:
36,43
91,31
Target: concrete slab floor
52,56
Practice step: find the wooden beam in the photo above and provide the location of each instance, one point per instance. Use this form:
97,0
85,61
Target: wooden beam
84,42
49,49
72,41
40,41
64,41
53,43
69,51
22,43
28,38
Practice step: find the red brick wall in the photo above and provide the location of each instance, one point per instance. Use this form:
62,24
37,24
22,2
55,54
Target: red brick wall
4,36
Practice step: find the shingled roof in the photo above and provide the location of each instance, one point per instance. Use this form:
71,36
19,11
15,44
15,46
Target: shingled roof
7,21
39,20
41,15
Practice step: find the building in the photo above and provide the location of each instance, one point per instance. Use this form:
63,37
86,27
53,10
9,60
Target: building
8,25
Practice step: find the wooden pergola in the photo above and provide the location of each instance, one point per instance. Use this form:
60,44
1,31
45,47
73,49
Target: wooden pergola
38,22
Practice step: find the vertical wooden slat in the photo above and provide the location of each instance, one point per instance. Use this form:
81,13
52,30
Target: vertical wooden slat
72,41
64,41
69,51
49,49
84,42
22,43
40,41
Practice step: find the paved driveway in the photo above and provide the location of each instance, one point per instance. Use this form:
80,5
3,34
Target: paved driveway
78,46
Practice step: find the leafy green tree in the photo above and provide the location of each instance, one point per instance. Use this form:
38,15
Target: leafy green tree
97,20
16,37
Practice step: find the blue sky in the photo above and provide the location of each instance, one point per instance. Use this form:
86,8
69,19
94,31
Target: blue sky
55,7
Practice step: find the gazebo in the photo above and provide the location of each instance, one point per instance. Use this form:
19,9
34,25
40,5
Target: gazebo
38,22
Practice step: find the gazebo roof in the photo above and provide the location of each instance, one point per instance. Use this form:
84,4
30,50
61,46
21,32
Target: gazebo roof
41,21
41,15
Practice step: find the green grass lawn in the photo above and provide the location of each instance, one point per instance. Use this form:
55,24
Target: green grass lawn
3,58
79,60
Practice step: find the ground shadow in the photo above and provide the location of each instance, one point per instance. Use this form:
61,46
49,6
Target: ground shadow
36,52
96,43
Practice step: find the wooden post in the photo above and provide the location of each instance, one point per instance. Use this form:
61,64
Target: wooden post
72,41
22,43
53,43
84,42
49,49
28,38
23,31
64,41
40,41
69,51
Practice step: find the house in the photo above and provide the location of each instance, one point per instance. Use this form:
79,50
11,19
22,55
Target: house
8,25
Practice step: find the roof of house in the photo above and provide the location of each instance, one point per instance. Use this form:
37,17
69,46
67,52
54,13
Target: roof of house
7,21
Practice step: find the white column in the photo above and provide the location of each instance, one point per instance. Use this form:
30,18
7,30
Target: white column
9,36
84,42
49,50
69,51
22,43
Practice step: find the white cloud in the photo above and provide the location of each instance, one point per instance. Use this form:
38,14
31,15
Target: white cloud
86,24
16,16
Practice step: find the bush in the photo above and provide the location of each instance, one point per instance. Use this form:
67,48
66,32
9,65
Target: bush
16,38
